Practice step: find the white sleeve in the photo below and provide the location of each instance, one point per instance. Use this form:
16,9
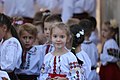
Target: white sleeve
9,58
76,72
104,56
67,10
86,63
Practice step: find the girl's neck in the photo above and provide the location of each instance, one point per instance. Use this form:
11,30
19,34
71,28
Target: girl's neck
87,38
59,52
78,49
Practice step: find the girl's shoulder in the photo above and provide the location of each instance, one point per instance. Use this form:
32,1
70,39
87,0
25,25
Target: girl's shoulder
111,43
12,41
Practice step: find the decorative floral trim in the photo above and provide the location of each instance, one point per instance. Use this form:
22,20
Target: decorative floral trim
80,33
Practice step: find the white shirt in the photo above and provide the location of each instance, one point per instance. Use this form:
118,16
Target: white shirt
92,51
10,54
82,55
104,57
64,65
34,60
23,8
68,7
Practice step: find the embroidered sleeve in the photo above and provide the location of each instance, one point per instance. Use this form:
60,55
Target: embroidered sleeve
76,72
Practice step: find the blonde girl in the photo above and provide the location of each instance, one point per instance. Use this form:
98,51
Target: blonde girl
109,69
60,64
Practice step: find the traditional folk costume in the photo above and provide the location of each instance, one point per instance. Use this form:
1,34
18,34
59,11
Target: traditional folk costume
82,55
65,65
92,51
109,69
32,62
10,56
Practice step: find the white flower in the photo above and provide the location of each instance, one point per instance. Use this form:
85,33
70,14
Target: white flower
81,32
78,35
113,23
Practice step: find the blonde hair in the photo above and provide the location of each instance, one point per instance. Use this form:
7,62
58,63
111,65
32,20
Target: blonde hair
61,26
112,25
30,28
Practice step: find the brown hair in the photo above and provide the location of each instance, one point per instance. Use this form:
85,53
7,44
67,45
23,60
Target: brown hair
30,28
53,18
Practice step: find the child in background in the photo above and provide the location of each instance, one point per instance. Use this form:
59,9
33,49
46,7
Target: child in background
48,23
78,38
60,64
10,49
90,48
109,69
32,58
47,26
94,35
41,39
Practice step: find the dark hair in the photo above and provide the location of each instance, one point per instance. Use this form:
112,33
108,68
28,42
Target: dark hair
87,26
77,40
53,18
5,20
94,22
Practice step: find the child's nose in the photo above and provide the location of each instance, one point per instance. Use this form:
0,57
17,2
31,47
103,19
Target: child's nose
27,39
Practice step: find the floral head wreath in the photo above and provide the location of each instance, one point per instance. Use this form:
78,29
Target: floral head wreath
80,33
113,24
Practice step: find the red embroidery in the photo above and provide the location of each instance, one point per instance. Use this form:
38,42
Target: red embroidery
47,49
54,69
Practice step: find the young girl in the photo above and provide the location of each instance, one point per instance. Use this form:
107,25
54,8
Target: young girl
10,50
60,64
78,38
32,58
109,69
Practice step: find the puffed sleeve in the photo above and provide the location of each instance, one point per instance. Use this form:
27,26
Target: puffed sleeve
9,56
76,72
104,56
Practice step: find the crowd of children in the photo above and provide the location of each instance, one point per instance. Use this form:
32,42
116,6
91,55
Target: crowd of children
50,49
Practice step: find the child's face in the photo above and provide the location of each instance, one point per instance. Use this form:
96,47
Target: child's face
59,37
106,33
27,39
47,27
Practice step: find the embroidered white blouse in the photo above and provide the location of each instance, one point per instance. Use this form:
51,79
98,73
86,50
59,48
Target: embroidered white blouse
10,54
104,57
65,64
82,55
34,60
